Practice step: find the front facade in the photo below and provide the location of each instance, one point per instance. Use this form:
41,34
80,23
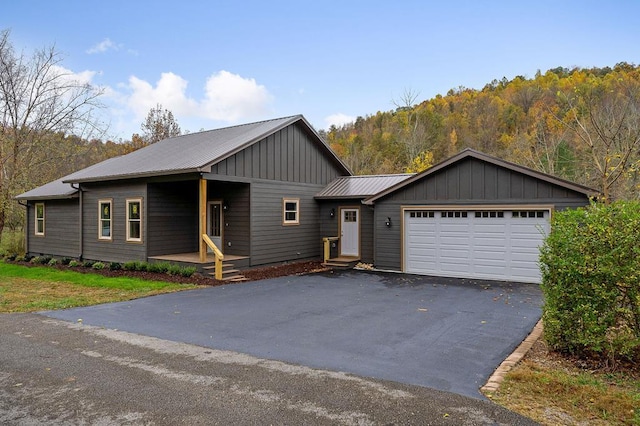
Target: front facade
273,191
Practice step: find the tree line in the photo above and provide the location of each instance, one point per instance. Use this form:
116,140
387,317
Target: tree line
578,124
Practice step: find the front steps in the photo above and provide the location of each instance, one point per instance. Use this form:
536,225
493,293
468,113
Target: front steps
229,274
342,262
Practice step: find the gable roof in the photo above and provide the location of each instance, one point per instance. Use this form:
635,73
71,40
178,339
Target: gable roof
470,153
359,186
50,191
191,153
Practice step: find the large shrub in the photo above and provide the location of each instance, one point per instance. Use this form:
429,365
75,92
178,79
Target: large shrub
591,281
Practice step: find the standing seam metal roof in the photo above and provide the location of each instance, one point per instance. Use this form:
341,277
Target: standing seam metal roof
360,186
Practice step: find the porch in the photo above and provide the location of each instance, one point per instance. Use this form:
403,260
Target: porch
230,266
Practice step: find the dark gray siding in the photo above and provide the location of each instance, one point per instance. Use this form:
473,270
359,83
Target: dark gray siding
172,218
273,242
236,236
329,226
468,182
118,249
289,155
61,232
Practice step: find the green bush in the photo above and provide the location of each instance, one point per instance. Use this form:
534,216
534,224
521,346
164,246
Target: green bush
36,260
591,281
98,266
115,266
88,263
174,269
74,264
52,262
65,260
160,267
188,271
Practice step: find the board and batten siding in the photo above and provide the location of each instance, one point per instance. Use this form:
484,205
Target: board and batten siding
330,226
117,249
273,242
288,155
61,229
468,182
172,218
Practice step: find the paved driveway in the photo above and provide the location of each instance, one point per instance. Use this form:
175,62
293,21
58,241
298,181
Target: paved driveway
435,332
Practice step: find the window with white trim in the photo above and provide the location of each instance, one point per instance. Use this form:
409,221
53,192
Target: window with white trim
39,224
290,211
105,230
134,220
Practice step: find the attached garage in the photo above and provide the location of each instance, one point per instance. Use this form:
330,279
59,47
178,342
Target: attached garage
475,243
472,216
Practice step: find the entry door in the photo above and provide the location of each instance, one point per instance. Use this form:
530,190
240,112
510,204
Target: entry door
350,232
214,222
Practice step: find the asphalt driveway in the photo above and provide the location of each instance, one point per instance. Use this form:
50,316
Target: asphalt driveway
436,332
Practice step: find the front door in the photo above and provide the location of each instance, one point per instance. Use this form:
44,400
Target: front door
350,232
214,222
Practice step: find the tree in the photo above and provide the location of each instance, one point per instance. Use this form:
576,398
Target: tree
159,124
38,98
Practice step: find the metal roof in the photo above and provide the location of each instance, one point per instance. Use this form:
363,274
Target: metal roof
589,192
52,190
360,186
195,152
191,153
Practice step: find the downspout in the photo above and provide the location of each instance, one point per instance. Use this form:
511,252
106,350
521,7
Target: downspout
80,221
26,226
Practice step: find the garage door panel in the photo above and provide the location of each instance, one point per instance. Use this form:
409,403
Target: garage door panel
495,245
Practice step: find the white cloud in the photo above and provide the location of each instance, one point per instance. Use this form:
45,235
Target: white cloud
102,47
338,119
227,97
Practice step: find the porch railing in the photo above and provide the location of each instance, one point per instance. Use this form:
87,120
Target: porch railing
219,257
326,241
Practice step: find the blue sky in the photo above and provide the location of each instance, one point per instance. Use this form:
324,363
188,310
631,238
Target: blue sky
219,63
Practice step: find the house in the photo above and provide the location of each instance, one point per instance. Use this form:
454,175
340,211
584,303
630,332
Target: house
273,191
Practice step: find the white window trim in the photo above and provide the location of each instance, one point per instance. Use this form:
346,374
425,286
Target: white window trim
37,219
129,238
100,204
286,221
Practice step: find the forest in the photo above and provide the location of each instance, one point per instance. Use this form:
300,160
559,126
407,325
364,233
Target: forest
578,124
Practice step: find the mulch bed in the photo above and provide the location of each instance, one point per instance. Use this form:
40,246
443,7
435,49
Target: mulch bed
295,268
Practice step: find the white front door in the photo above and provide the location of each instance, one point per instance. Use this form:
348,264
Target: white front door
350,232
214,222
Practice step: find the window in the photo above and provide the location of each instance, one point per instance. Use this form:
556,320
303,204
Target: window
427,214
134,220
453,214
290,211
104,220
39,228
529,214
351,216
490,214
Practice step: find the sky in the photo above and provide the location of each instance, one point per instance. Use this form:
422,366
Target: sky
220,63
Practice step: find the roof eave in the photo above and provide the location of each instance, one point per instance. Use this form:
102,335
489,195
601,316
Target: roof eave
154,173
48,197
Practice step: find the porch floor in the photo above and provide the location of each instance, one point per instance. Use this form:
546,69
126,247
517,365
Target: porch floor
195,257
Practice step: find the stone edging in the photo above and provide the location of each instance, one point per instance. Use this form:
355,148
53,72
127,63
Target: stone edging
497,377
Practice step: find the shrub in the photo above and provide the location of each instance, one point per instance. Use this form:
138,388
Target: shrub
115,266
44,260
88,263
74,264
11,257
36,260
591,281
188,271
52,262
21,258
65,260
98,266
160,267
174,269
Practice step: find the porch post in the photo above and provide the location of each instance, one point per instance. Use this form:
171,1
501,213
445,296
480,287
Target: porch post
203,219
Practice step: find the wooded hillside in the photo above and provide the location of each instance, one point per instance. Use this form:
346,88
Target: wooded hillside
578,124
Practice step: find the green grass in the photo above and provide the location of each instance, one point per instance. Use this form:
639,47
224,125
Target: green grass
29,289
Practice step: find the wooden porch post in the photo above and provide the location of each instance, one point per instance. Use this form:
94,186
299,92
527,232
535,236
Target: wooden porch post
203,219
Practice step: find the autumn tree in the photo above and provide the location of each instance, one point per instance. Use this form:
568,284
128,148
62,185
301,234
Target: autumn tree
40,101
160,124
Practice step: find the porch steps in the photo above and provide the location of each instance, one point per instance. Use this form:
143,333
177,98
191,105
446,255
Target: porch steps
228,273
342,262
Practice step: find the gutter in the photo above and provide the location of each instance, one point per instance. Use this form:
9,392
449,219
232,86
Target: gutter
26,227
80,221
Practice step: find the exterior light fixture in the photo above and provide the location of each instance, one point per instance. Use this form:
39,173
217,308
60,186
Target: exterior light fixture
332,212
388,222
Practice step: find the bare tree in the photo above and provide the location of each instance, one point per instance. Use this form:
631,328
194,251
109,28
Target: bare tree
159,124
37,97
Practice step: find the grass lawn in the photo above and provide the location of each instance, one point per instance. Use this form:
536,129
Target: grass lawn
554,390
29,289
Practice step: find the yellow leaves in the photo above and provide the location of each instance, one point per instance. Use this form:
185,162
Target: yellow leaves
422,162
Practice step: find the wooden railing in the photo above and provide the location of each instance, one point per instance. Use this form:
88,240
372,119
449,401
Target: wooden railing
326,241
219,257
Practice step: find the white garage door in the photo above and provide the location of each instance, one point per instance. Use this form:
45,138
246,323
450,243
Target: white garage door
496,245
